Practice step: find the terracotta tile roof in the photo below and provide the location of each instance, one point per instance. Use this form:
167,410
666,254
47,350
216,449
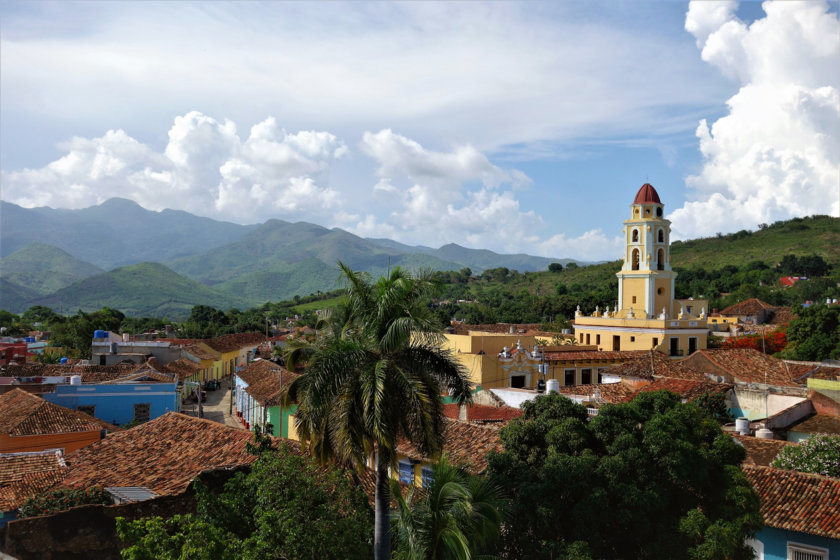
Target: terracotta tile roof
744,365
23,475
761,451
24,414
234,342
593,355
795,501
164,454
87,372
182,368
781,316
816,370
483,413
527,329
599,393
655,364
685,388
201,353
265,381
817,424
464,443
751,306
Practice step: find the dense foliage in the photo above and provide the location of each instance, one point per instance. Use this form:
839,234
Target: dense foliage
59,500
455,516
814,334
820,454
662,471
285,508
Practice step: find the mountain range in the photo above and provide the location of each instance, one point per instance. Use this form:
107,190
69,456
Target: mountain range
149,263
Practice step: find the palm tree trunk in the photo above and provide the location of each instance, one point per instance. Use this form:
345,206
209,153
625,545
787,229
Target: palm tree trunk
382,507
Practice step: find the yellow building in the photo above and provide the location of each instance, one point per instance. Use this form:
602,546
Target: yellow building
647,315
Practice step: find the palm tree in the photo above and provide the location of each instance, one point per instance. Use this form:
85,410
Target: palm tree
455,518
376,377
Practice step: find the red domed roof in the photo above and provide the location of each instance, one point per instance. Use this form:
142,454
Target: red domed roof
646,195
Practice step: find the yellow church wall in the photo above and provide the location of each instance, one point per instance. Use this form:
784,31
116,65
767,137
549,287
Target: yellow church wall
634,288
490,343
663,299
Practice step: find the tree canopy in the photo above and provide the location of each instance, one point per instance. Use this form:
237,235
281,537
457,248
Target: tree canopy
653,478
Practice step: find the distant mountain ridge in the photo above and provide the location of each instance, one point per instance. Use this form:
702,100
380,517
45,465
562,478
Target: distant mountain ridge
56,257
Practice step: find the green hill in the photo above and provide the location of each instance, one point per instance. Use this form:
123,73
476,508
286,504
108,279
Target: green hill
44,269
280,260
15,298
140,290
814,235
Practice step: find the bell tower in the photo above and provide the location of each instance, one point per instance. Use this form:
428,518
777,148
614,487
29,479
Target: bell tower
646,281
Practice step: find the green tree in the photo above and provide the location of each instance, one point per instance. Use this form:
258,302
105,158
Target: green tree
281,509
76,332
555,267
667,476
456,516
59,500
819,454
381,379
814,333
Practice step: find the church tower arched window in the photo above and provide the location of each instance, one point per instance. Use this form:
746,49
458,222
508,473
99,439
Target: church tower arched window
662,236
635,236
635,259
660,258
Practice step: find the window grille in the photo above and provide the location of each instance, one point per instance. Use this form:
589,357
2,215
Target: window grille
142,412
803,552
406,472
426,474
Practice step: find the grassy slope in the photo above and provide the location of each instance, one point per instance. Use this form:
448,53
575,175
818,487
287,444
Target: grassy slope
145,289
801,236
45,269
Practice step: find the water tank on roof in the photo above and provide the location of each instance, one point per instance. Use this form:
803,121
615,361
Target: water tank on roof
764,433
75,380
126,337
29,339
62,361
742,426
99,334
552,386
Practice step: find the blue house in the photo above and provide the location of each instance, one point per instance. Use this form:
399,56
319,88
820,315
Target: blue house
801,515
118,403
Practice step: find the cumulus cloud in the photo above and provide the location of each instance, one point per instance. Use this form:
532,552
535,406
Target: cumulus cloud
205,169
593,244
439,197
776,154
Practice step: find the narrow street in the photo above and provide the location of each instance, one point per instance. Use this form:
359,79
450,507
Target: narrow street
216,407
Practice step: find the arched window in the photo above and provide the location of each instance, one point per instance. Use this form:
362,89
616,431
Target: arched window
662,236
635,258
635,236
660,258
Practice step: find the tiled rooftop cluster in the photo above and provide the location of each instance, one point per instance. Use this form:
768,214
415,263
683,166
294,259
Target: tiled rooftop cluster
761,452
25,474
651,364
685,388
610,393
24,414
482,413
164,454
745,365
594,355
796,501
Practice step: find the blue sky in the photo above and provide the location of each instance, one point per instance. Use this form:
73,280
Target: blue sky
508,126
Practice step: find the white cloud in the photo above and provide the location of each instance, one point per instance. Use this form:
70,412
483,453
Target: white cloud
436,197
205,169
776,154
591,245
